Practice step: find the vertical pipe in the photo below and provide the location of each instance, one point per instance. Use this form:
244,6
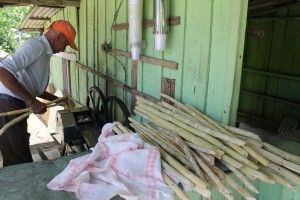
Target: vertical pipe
160,23
135,27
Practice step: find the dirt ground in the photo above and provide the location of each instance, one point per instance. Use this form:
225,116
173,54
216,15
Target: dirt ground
40,138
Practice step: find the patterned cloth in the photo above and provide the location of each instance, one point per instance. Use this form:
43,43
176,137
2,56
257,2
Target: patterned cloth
118,165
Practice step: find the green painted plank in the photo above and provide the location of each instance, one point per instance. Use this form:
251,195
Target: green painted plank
275,60
120,67
193,195
287,194
149,80
239,64
236,195
250,54
216,195
147,9
288,46
295,69
71,14
110,37
101,38
269,191
83,49
250,104
57,79
297,195
225,32
255,183
90,41
196,59
264,45
175,47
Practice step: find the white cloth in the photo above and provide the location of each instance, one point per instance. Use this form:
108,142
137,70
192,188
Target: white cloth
119,165
30,64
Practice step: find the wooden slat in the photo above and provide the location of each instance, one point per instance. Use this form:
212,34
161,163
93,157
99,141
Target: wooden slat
154,61
62,3
277,75
284,101
275,9
273,18
146,23
38,30
39,18
168,88
115,83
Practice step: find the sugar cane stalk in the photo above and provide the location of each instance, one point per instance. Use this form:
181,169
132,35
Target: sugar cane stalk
285,172
231,182
16,112
186,150
240,176
283,154
204,192
174,187
278,160
156,114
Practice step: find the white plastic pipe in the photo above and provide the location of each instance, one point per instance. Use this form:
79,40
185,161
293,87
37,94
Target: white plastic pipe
135,27
160,23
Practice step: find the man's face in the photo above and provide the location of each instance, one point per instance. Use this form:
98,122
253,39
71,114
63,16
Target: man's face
60,44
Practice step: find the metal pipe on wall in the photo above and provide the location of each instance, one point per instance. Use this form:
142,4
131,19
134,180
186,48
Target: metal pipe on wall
160,23
135,27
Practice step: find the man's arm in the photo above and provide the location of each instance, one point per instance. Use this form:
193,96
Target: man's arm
11,83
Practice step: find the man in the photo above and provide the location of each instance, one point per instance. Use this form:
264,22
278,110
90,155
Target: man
23,77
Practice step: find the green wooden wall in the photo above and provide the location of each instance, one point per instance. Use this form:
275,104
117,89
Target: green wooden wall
207,45
270,78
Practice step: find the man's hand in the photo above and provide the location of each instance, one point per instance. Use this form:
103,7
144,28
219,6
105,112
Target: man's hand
37,107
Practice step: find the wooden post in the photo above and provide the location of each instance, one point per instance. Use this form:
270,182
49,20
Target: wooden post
66,76
134,66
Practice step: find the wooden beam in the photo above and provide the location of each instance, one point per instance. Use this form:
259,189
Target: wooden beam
64,3
252,14
154,61
39,30
115,82
270,4
66,55
277,75
146,23
273,18
39,18
258,121
284,101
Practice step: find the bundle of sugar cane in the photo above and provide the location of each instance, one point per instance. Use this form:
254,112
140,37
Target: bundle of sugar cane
194,140
27,111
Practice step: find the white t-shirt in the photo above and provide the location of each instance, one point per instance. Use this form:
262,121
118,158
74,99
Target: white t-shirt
30,64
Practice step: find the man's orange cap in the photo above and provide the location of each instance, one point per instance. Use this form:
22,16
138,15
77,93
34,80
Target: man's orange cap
67,29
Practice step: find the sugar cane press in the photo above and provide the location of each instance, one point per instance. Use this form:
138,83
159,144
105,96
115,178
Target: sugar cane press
78,129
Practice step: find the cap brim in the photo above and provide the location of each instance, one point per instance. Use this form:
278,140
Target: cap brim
73,45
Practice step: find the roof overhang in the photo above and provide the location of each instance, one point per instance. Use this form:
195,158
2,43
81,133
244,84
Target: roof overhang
42,12
36,18
61,3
